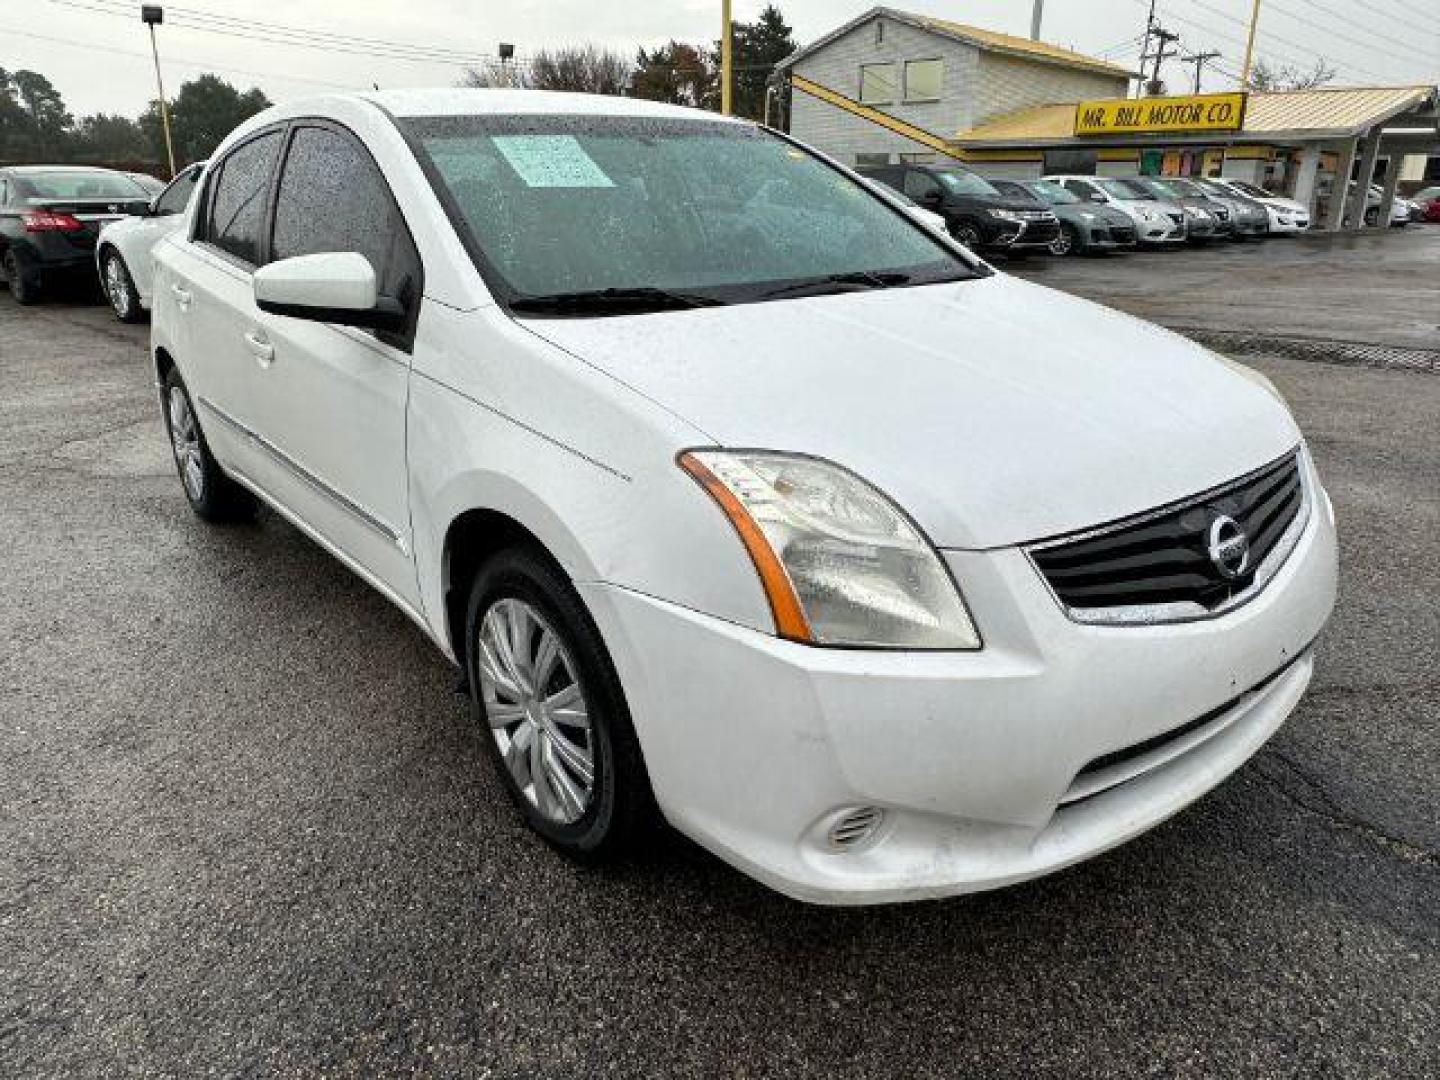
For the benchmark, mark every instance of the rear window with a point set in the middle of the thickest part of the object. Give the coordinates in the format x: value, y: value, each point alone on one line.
x: 43, y: 187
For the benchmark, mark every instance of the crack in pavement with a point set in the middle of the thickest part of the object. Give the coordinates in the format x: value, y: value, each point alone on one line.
x: 1331, y: 810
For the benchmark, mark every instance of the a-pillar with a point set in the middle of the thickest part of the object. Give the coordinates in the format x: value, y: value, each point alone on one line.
x: 1370, y: 151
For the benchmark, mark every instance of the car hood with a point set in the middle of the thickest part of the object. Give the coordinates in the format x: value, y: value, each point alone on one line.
x: 995, y: 411
x: 1286, y: 204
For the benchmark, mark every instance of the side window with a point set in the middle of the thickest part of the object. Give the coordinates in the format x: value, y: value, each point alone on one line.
x: 175, y: 197
x: 237, y: 206
x: 918, y: 184
x: 332, y: 197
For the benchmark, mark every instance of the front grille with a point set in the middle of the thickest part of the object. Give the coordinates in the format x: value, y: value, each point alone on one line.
x: 1122, y: 234
x: 1164, y: 557
x: 1037, y: 215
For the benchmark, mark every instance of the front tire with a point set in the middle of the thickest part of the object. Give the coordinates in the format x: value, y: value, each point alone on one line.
x: 1066, y: 242
x: 967, y: 234
x: 120, y: 288
x: 551, y: 709
x: 212, y: 495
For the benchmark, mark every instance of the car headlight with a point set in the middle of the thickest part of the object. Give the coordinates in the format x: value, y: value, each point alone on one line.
x: 1196, y: 212
x: 1005, y: 215
x: 839, y: 562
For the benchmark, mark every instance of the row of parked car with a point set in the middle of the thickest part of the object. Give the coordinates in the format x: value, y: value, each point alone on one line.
x: 60, y: 220
x: 1069, y: 214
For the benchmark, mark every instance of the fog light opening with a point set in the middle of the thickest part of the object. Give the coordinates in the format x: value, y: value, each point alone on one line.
x: 855, y: 827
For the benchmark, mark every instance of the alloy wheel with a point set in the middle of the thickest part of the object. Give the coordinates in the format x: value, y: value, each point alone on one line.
x: 117, y: 286
x: 536, y: 710
x: 185, y: 440
x: 1062, y: 243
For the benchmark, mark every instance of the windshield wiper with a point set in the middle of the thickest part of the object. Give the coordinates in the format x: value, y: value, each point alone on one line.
x: 861, y: 279
x: 612, y: 301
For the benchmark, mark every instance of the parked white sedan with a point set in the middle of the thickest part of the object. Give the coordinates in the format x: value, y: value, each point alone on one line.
x: 736, y: 492
x: 1286, y: 215
x: 123, y: 248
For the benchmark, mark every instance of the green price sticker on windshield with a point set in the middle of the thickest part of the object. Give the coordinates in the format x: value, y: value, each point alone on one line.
x: 551, y: 161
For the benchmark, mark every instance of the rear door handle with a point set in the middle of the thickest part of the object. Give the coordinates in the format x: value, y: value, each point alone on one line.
x: 262, y: 350
x: 182, y: 296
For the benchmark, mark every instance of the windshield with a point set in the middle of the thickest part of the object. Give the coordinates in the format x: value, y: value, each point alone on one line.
x: 1251, y: 189
x: 963, y: 182
x: 1052, y: 192
x: 1210, y: 187
x: 566, y: 205
x: 1124, y: 189
x: 79, y: 185
x: 1185, y: 189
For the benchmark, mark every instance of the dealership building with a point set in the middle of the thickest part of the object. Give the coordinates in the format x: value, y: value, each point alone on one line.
x: 890, y: 86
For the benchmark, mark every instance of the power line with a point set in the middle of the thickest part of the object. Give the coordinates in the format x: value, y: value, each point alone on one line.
x: 1268, y: 50
x: 203, y: 65
x: 1391, y: 16
x: 1385, y: 50
x: 283, y: 35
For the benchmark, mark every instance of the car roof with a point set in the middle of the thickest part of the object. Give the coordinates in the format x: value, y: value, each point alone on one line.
x: 468, y: 101
x: 36, y: 170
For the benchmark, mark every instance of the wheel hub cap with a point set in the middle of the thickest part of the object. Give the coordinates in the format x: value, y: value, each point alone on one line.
x: 185, y: 441
x: 536, y: 710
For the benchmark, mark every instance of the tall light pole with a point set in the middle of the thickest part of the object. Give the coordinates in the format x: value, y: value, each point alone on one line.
x: 726, y: 59
x: 152, y: 15
x: 1035, y: 15
x: 1249, y: 46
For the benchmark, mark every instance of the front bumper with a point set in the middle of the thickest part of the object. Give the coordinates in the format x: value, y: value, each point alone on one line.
x: 755, y: 745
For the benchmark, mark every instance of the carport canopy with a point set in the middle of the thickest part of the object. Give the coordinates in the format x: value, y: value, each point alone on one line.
x: 1369, y: 121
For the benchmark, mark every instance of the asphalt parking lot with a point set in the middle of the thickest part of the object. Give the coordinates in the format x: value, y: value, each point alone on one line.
x: 246, y: 829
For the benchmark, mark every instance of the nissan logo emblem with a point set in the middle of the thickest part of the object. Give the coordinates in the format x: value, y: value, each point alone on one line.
x: 1228, y: 547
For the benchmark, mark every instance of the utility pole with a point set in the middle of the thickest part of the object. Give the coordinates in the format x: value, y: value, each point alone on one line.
x: 1035, y: 13
x: 1162, y: 38
x: 1249, y: 46
x: 152, y: 15
x: 1145, y: 50
x: 1200, y: 60
x: 726, y: 59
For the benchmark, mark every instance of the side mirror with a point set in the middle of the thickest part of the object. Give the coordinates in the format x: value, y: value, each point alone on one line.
x: 333, y: 287
x: 931, y: 198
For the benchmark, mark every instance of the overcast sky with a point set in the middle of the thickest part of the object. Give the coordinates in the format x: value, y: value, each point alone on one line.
x: 97, y: 53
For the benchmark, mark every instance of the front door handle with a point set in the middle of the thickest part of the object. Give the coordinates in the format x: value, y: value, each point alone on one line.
x: 261, y: 349
x: 182, y: 296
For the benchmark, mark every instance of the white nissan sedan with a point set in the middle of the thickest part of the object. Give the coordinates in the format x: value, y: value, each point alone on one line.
x: 740, y: 496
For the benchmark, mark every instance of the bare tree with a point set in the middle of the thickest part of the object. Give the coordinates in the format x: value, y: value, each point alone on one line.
x: 1267, y: 76
x: 584, y: 69
x: 497, y: 73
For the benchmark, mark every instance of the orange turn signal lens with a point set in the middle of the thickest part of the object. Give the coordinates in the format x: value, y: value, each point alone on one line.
x: 790, y: 621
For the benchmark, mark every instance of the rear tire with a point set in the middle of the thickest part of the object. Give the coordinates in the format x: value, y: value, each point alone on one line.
x: 24, y: 280
x: 119, y: 288
x: 549, y: 706
x: 212, y: 495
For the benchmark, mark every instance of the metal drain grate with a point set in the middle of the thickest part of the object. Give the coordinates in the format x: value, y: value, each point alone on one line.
x: 1351, y: 353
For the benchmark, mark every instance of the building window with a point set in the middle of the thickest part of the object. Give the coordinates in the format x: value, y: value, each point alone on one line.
x: 922, y: 80
x: 878, y: 83
x: 918, y: 159
x: 872, y: 159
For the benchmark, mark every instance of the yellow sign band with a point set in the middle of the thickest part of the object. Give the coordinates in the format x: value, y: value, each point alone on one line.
x: 1198, y: 112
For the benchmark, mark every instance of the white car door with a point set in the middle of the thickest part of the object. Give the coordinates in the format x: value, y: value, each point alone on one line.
x: 140, y: 235
x: 210, y: 299
x: 329, y: 403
